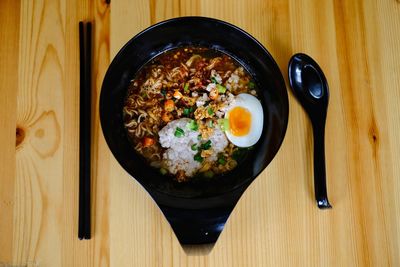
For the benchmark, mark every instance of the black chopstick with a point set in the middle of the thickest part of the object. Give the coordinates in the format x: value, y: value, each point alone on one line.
x: 85, y: 57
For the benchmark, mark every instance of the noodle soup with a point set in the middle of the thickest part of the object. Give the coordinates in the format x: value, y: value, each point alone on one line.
x: 192, y: 111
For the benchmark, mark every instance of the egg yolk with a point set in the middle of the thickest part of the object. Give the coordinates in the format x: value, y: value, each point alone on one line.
x: 239, y: 121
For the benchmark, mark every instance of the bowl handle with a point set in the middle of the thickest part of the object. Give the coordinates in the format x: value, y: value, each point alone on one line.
x: 197, y: 226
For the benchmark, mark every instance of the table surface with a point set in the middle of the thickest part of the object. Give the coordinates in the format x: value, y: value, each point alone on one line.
x: 276, y: 222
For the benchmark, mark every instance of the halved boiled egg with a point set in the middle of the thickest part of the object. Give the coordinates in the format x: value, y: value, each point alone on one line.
x: 245, y: 118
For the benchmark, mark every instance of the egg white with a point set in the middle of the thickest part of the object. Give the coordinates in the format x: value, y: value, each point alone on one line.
x: 253, y: 105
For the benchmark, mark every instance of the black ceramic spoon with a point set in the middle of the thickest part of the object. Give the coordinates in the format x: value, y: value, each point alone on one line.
x: 309, y: 85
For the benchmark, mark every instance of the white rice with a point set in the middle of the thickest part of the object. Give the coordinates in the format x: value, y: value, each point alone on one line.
x: 216, y: 76
x: 211, y: 86
x: 202, y: 100
x: 179, y: 154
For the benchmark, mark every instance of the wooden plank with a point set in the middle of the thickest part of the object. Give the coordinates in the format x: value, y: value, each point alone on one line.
x: 360, y: 73
x: 9, y: 37
x: 73, y: 251
x: 41, y: 109
x: 40, y: 112
x: 101, y: 153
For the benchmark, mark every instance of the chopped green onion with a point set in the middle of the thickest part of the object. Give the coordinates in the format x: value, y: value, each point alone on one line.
x: 223, y: 124
x: 208, y: 174
x: 251, y: 85
x: 186, y: 112
x: 206, y: 145
x: 163, y: 92
x: 198, y: 158
x: 194, y: 147
x: 221, y: 89
x: 179, y: 132
x: 210, y: 111
x: 222, y: 160
x: 214, y: 80
x: 192, y: 125
x: 186, y: 88
x: 163, y: 171
x: 199, y: 137
x: 210, y: 123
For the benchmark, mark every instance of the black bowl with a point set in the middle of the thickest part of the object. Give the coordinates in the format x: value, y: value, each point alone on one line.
x: 196, y: 211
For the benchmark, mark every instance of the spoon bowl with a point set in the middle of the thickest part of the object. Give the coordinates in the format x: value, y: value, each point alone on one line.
x: 308, y: 83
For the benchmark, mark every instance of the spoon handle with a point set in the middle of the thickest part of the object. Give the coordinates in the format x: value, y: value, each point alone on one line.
x: 321, y: 194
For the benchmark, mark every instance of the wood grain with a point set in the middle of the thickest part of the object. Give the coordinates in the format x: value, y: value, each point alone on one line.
x: 276, y: 222
x: 9, y: 39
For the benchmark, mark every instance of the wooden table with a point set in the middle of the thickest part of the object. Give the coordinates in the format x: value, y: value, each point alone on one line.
x: 276, y: 222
